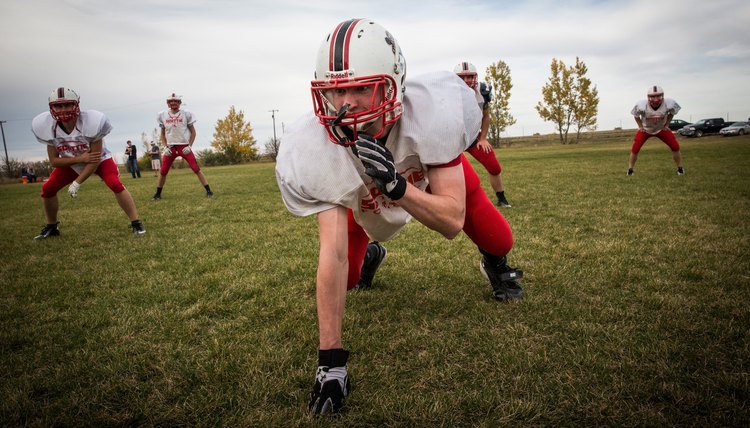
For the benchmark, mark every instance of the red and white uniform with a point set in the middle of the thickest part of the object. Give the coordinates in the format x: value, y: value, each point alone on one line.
x: 487, y: 159
x: 91, y: 126
x: 175, y: 126
x: 441, y: 119
x: 655, y: 120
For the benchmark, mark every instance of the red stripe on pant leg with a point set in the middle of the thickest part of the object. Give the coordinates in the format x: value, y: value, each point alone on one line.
x: 358, y: 241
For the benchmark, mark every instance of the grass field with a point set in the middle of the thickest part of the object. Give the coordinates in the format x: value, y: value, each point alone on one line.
x: 636, y: 311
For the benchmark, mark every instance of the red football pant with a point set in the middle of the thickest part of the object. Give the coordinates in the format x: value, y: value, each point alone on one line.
x: 487, y: 159
x: 664, y: 135
x: 172, y: 154
x: 62, y: 176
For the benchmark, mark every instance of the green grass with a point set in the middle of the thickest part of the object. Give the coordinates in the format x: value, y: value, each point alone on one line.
x: 636, y: 311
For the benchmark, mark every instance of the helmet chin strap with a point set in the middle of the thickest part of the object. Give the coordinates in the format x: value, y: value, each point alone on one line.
x: 340, y: 114
x: 343, y: 134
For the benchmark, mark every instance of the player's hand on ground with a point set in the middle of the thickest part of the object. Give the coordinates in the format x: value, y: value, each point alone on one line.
x: 330, y: 390
x: 379, y: 165
x: 73, y: 189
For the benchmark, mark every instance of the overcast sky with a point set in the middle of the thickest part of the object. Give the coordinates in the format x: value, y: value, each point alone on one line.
x: 125, y: 57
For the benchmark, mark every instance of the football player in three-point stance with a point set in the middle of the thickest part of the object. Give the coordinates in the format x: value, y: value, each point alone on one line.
x: 76, y: 150
x: 362, y: 162
x: 653, y: 116
x: 481, y: 149
x: 177, y: 135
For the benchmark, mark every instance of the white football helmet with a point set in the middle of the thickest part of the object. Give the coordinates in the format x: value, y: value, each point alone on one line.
x: 64, y: 96
x: 358, y: 53
x: 468, y: 72
x: 172, y: 98
x: 655, y: 96
x: 655, y: 90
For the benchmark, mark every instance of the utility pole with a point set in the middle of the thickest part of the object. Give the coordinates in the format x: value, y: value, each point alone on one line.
x: 7, y: 161
x: 273, y: 117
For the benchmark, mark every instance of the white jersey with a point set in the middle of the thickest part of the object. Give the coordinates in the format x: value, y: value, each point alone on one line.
x: 175, y: 126
x: 91, y: 126
x: 441, y: 119
x: 655, y: 120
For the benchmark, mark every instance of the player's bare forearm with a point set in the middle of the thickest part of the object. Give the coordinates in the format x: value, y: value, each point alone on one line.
x: 444, y: 208
x: 333, y: 267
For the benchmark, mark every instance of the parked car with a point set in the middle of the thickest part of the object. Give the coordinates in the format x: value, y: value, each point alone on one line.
x: 704, y: 127
x: 676, y: 124
x: 737, y: 128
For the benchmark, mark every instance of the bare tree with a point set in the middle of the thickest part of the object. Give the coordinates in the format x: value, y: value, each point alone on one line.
x: 272, y: 148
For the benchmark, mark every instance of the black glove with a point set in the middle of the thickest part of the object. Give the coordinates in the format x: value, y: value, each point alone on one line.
x: 378, y: 163
x: 331, y: 382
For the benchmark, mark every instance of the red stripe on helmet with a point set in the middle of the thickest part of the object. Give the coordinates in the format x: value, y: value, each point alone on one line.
x: 60, y: 92
x: 338, y: 50
x: 349, y: 33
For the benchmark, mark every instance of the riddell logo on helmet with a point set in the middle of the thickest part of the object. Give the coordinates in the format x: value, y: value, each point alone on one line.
x: 339, y: 74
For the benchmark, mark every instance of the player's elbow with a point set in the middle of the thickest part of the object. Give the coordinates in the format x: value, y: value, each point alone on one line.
x: 453, y: 227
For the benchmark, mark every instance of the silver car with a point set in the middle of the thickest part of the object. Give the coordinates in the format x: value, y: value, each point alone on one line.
x: 737, y: 128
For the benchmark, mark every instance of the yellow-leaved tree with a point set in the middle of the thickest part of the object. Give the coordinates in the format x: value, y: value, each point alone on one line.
x: 498, y: 79
x: 569, y: 99
x: 233, y: 138
x: 587, y: 100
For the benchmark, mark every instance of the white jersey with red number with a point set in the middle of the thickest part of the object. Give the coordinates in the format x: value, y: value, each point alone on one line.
x: 441, y: 119
x: 175, y: 126
x: 655, y: 120
x: 91, y: 126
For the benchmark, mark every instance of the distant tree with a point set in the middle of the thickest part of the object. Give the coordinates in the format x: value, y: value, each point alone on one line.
x: 586, y: 106
x: 272, y: 148
x: 145, y: 156
x: 233, y: 138
x: 569, y: 99
x: 556, y: 95
x: 498, y: 77
x: 156, y: 137
x: 209, y: 157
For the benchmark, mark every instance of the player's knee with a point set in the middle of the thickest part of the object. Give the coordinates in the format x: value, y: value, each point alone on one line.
x: 117, y: 188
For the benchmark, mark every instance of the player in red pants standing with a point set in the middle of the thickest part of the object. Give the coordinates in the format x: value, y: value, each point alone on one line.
x: 76, y: 150
x: 653, y: 116
x: 481, y: 149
